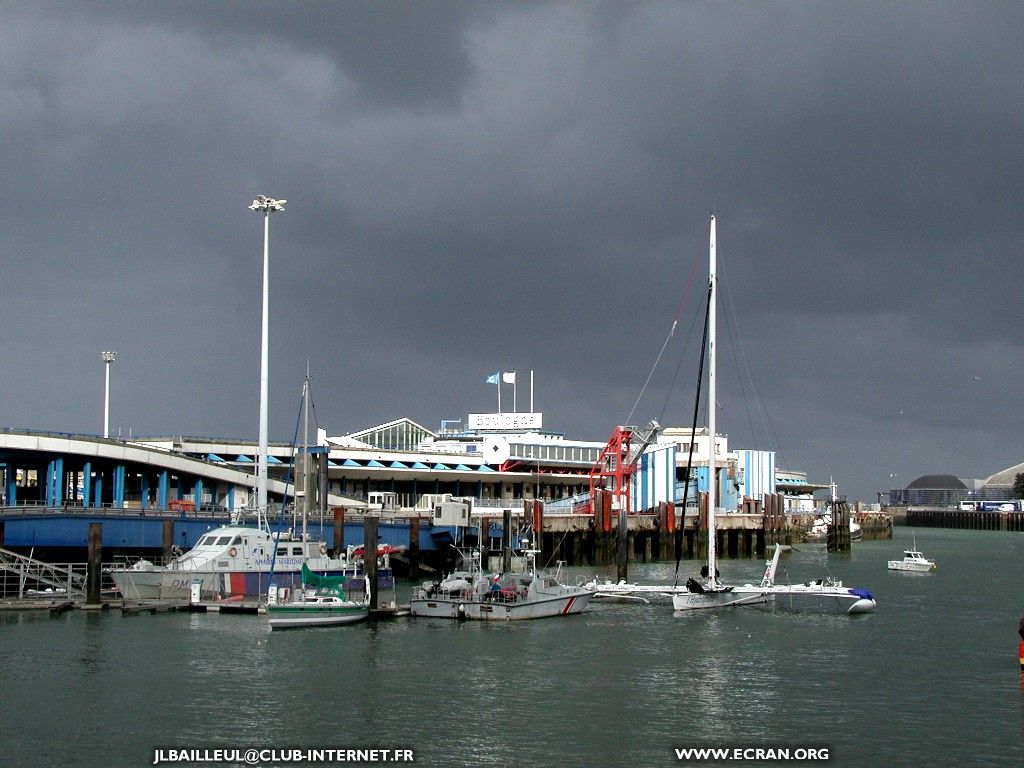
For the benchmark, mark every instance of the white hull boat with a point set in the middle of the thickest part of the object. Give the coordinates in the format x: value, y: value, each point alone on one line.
x: 234, y: 562
x: 826, y: 596
x: 321, y: 611
x: 720, y: 597
x: 913, y: 561
x: 625, y: 591
x: 527, y: 595
x: 323, y: 601
x: 447, y: 599
x: 822, y: 596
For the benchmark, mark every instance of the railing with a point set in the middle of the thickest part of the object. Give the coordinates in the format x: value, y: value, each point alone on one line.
x: 206, y: 512
x: 24, y: 576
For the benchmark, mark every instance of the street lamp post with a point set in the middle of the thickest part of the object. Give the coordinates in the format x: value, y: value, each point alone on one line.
x: 107, y: 357
x: 266, y: 206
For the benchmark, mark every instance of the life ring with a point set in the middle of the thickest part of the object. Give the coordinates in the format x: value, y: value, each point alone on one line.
x: 232, y: 551
x: 323, y: 549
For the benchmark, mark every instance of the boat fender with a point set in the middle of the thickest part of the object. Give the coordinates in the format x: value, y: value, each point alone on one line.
x: 232, y: 551
x: 323, y: 549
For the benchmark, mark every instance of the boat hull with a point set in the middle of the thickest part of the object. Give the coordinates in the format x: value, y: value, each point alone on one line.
x: 822, y: 599
x: 296, y: 616
x: 164, y: 584
x: 900, y: 565
x: 736, y: 597
x: 438, y: 608
x: 539, y: 608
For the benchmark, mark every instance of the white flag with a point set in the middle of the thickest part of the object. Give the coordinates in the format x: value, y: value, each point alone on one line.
x: 509, y: 378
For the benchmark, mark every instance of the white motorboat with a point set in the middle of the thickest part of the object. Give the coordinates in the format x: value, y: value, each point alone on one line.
x: 527, y: 595
x: 322, y: 601
x: 710, y: 593
x: 913, y: 560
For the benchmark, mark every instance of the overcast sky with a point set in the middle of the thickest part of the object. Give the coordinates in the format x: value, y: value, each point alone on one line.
x: 481, y: 187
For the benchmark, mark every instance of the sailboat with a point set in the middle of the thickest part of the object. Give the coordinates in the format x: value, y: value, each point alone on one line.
x: 322, y: 601
x: 709, y: 592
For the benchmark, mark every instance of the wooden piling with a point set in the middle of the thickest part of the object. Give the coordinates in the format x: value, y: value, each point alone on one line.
x: 95, y: 558
x: 839, y: 528
x: 414, y: 546
x: 370, y: 555
x: 339, y: 531
x: 506, y: 541
x: 167, y: 538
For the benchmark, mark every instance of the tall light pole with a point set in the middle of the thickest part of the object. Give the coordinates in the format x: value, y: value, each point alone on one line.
x: 267, y: 206
x: 107, y: 357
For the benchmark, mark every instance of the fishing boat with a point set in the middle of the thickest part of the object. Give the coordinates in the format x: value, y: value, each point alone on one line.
x: 914, y: 561
x: 527, y: 595
x: 709, y: 592
x: 322, y: 601
x: 448, y: 597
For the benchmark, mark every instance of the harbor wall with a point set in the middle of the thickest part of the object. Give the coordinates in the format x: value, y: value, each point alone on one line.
x: 944, y: 517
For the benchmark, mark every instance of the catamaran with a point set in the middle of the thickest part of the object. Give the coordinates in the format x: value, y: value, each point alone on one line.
x: 709, y: 592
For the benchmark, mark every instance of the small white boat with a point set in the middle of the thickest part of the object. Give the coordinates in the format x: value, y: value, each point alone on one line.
x: 527, y: 595
x: 914, y: 561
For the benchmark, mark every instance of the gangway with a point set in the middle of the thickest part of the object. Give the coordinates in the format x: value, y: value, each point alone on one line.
x: 70, y: 578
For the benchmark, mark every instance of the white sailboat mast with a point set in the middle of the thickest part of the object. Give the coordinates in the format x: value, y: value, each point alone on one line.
x: 305, y: 452
x: 261, y: 477
x: 712, y: 459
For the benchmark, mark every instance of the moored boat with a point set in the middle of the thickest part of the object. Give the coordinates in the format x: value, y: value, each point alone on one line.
x: 321, y: 601
x: 447, y: 598
x: 527, y: 595
x: 234, y: 561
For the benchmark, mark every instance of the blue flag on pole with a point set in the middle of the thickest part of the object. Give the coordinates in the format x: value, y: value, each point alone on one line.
x: 492, y: 379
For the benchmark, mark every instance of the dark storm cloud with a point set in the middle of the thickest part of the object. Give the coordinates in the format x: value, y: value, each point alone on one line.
x: 479, y: 187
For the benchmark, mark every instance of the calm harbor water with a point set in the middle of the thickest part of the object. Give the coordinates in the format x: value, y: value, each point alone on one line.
x: 931, y: 678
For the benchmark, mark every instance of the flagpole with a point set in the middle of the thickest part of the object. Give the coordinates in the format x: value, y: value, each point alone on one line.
x: 531, y: 390
x: 499, y: 393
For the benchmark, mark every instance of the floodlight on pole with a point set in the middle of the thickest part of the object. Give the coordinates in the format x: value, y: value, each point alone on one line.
x: 266, y: 206
x: 107, y: 357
